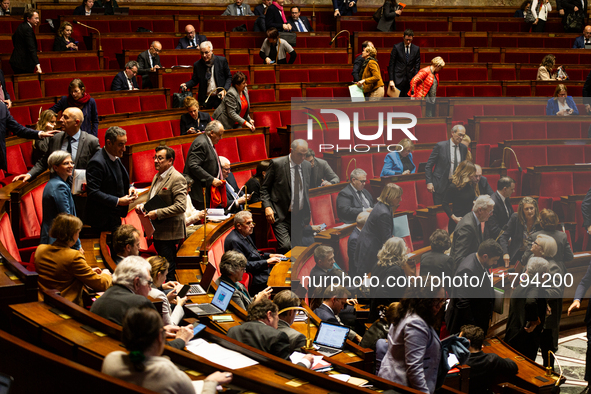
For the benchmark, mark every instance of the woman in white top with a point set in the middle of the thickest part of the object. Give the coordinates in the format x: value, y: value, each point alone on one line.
x: 540, y: 9
x: 158, y: 273
x: 143, y: 336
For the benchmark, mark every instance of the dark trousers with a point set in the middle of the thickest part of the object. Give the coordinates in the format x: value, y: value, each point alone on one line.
x: 539, y: 27
x: 168, y: 249
x: 18, y: 70
x: 213, y: 102
x: 282, y: 232
x: 404, y: 88
x: 438, y: 198
x: 547, y: 343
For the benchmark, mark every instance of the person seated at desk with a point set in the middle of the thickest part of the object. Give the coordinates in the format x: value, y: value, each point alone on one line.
x: 354, y: 199
x: 335, y: 299
x: 546, y: 70
x: 238, y: 9
x: 62, y: 268
x: 191, y: 40
x: 192, y: 216
x: 484, y: 367
x: 143, y: 336
x: 126, y: 242
x: 322, y: 174
x: 126, y: 79
x: 85, y: 8
x: 193, y: 122
x: 159, y: 272
x: 275, y: 50
x: 5, y: 8
x: 286, y: 299
x: 63, y: 40
x: 435, y: 262
x: 253, y: 185
x: 561, y: 104
x: 260, y: 332
x: 234, y: 195
x: 482, y: 185
x: 240, y: 240
x: 400, y: 163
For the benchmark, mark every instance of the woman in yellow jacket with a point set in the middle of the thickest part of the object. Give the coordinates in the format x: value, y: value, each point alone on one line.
x: 371, y: 82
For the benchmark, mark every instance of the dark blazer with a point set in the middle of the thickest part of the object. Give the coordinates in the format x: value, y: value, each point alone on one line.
x: 170, y: 224
x: 91, y: 121
x: 253, y: 187
x: 57, y: 198
x: 276, y: 188
x: 466, y: 240
x: 116, y: 301
x: 357, y: 63
x: 273, y: 18
x: 484, y: 367
x: 263, y: 337
x: 585, y: 208
x: 484, y: 186
x: 343, y: 7
x: 564, y: 253
x: 104, y: 190
x: 436, y: 263
x: 7, y: 123
x: 378, y: 228
x: 3, y: 82
x: 582, y: 288
x: 352, y: 245
x: 440, y: 158
x: 515, y: 233
x: 80, y: 10
x: 499, y: 218
x: 470, y: 305
x: 325, y: 314
x: 388, y: 20
x: 462, y: 200
x: 259, y: 24
x: 88, y: 145
x: 143, y: 60
x: 187, y: 122
x: 222, y: 76
x: 184, y: 42
x: 296, y: 338
x: 579, y: 43
x: 304, y: 21
x: 552, y: 107
x: 60, y: 44
x: 120, y: 82
x: 349, y: 205
x: 201, y: 164
x: 259, y: 10
x: 228, y: 112
x: 320, y: 171
x: 24, y: 54
x: 399, y: 70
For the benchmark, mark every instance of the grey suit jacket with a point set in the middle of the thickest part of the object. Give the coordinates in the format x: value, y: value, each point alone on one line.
x: 296, y: 338
x: 228, y: 112
x: 467, y: 239
x: 170, y: 224
x: 87, y: 147
x: 441, y: 160
x: 144, y: 61
x: 320, y: 171
x: 232, y: 10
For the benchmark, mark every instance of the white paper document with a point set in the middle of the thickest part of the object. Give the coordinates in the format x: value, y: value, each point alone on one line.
x: 219, y: 355
x: 356, y: 93
x: 78, y: 181
x: 216, y: 215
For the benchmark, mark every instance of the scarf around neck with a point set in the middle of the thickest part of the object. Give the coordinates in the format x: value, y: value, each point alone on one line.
x: 78, y: 103
x: 281, y: 9
x: 364, y: 65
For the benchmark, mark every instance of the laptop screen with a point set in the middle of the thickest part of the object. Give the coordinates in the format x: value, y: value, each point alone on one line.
x: 331, y: 335
x: 207, y: 277
x: 222, y: 296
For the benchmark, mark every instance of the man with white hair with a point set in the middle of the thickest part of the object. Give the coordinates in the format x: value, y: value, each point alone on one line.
x: 354, y: 199
x: 212, y: 74
x: 468, y: 233
x: 234, y: 196
x: 131, y: 284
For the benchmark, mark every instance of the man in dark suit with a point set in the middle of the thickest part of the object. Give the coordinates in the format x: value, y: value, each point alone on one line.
x: 238, y: 9
x: 405, y: 63
x: 298, y: 22
x: 352, y: 241
x: 358, y: 62
x: 109, y: 191
x: 354, y: 199
x: 170, y: 188
x: 210, y: 84
x: 482, y: 182
x: 445, y: 157
x: 582, y: 288
x: 240, y: 240
x: 126, y: 79
x: 435, y: 262
x: 344, y: 7
x: 583, y: 40
x: 191, y: 39
x: 149, y: 61
x: 322, y: 174
x: 24, y: 58
x: 274, y: 18
x: 203, y: 164
x: 234, y: 196
x: 468, y: 233
x: 284, y: 193
x: 260, y: 9
x: 260, y: 332
x: 131, y: 285
x: 126, y: 242
x: 81, y: 145
x: 474, y: 304
x: 7, y: 123
x: 287, y: 299
x: 4, y: 96
x: 503, y: 208
x: 335, y: 300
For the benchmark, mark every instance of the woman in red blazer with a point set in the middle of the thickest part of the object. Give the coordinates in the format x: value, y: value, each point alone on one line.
x: 424, y: 84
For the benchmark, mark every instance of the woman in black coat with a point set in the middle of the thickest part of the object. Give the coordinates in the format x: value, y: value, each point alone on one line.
x: 253, y: 185
x: 520, y: 229
x: 193, y: 122
x: 63, y: 41
x: 389, y: 12
x: 460, y: 193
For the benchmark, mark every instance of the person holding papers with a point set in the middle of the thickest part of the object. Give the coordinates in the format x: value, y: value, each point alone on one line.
x: 234, y: 195
x: 143, y: 336
x: 166, y: 206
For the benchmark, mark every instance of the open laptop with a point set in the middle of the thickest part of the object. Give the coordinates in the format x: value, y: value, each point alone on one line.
x: 203, y: 285
x: 218, y: 305
x: 330, y: 339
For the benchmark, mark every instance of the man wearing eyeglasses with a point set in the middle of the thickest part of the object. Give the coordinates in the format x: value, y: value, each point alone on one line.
x: 168, y: 196
x: 192, y: 40
x: 149, y: 61
x: 354, y: 199
x: 240, y: 240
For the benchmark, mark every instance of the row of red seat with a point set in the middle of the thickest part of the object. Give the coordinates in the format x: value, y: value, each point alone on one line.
x: 492, y: 133
x: 61, y: 64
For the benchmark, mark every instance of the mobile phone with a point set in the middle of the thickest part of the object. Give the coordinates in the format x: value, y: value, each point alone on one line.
x: 184, y: 291
x: 197, y: 329
x: 284, y: 258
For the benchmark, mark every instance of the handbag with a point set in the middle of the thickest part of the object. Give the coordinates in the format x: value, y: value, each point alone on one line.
x: 574, y: 22
x: 288, y: 36
x: 378, y: 14
x: 179, y: 98
x: 529, y: 17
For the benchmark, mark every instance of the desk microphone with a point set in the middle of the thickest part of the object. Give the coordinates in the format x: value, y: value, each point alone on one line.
x: 93, y: 28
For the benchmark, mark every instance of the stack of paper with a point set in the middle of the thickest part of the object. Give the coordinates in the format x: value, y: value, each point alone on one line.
x: 219, y: 355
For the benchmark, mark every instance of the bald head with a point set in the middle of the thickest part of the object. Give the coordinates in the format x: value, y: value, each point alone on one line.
x: 72, y: 118
x: 299, y: 149
x: 155, y: 47
x: 190, y: 32
x: 587, y: 32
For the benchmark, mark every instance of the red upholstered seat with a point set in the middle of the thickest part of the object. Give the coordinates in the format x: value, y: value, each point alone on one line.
x: 153, y: 103
x: 58, y: 87
x: 565, y: 154
x: 105, y: 106
x: 343, y: 257
x: 272, y: 119
x: 21, y: 115
x: 264, y: 76
x: 179, y: 160
x: 251, y: 147
x: 240, y: 59
x: 529, y: 130
x: 127, y: 104
x: 29, y: 90
x: 133, y: 219
x: 430, y: 133
x: 176, y: 127
x: 7, y: 237
x: 363, y: 161
x: 93, y: 84
x: 378, y: 162
x: 143, y: 168
x: 424, y: 198
x: 409, y: 200
x: 63, y: 64
x: 503, y: 74
x: 288, y: 94
x: 228, y: 148
x: 333, y: 200
x: 16, y: 162
x: 518, y: 91
x: 305, y: 271
x: 294, y: 75
x: 494, y: 132
x: 30, y: 220
x: 559, y: 130
x: 528, y: 156
x: 581, y: 182
x: 319, y: 92
x: 529, y: 110
x: 37, y: 195
x: 482, y: 155
x: 341, y: 91
x: 242, y: 177
x: 27, y: 152
x: 135, y: 133
x: 498, y: 110
x: 173, y: 81
x: 321, y: 210
x: 261, y: 95
x: 159, y: 130
x: 168, y: 61
x: 464, y: 112
x: 323, y: 75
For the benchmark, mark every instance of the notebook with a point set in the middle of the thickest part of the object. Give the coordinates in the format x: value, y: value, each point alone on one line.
x: 218, y: 305
x: 330, y: 339
x: 203, y: 285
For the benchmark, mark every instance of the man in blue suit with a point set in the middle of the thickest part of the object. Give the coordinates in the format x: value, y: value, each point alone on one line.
x: 191, y: 39
x: 126, y: 79
x: 344, y: 7
x: 584, y: 39
x: 335, y: 300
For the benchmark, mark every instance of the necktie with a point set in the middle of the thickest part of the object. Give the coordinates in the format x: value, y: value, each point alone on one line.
x: 151, y: 62
x: 297, y: 189
x: 69, y: 147
x: 194, y: 43
x: 363, y: 202
x: 300, y: 27
x: 239, y: 11
x: 407, y: 53
x: 457, y: 158
x: 507, y: 205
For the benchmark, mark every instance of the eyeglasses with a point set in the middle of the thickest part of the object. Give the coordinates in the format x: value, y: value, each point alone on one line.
x: 251, y: 223
x: 159, y: 158
x: 361, y: 181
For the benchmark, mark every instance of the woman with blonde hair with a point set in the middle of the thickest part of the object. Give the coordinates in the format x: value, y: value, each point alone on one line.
x: 63, y: 41
x: 467, y: 141
x: 561, y: 104
x: 46, y: 122
x: 520, y: 229
x: 400, y: 162
x: 461, y: 192
x: 546, y: 70
x: 424, y: 84
x: 158, y: 273
x: 193, y: 122
x: 371, y: 77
